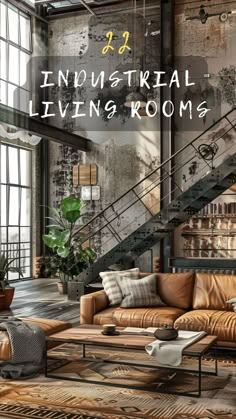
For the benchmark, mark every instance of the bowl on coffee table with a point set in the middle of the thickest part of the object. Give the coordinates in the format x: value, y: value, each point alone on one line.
x: 166, y: 333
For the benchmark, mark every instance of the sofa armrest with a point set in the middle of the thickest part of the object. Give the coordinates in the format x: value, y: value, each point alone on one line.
x: 91, y: 304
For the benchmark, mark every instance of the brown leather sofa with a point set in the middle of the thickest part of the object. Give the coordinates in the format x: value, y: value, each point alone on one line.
x: 49, y: 327
x: 194, y: 301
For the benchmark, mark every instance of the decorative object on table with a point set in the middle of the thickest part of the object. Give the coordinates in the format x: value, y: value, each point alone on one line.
x: 110, y: 282
x: 166, y: 333
x: 69, y: 257
x: 109, y: 329
x: 140, y: 292
x: 5, y: 289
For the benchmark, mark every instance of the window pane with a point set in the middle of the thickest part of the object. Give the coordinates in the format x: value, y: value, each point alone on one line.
x: 26, y: 272
x: 25, y: 207
x: 13, y: 65
x: 3, y: 21
x: 25, y: 33
x: 3, y: 92
x: 24, y: 100
x: 3, y: 60
x: 13, y: 275
x: 14, y: 205
x: 24, y: 70
x: 13, y: 165
x: 25, y: 235
x: 25, y: 166
x: 3, y: 164
x: 13, y: 24
x: 3, y: 205
x: 3, y: 233
x: 13, y: 96
x: 13, y: 239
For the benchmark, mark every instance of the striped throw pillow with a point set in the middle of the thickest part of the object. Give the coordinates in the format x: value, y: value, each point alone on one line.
x: 111, y: 280
x: 140, y: 293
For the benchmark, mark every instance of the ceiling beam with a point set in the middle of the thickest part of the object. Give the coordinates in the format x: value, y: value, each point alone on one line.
x: 34, y: 126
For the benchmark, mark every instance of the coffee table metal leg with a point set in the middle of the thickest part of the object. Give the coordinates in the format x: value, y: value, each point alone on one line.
x: 216, y: 361
x: 46, y: 360
x: 83, y: 350
x: 199, y: 376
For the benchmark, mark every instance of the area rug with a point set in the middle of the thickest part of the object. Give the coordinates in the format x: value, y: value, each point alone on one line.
x: 60, y: 399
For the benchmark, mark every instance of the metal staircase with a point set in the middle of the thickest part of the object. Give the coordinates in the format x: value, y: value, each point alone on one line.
x: 200, y: 172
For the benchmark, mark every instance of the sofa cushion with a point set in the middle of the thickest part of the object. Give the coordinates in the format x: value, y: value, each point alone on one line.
x: 110, y: 282
x: 49, y: 327
x: 217, y: 323
x: 211, y: 291
x: 139, y: 292
x: 139, y: 317
x: 176, y: 289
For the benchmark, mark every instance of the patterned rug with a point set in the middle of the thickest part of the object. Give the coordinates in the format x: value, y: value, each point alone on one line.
x: 60, y: 399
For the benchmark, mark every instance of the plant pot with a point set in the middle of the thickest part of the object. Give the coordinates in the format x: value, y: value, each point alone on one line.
x: 62, y: 287
x: 2, y: 302
x: 75, y: 290
x: 8, y: 294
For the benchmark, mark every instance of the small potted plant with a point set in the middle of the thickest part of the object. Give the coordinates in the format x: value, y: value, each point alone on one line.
x: 68, y: 257
x: 5, y: 289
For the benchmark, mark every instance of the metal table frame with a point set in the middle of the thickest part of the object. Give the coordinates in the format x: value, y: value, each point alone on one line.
x: 199, y: 371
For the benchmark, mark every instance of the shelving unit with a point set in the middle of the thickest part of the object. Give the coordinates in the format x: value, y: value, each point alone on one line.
x: 211, y: 234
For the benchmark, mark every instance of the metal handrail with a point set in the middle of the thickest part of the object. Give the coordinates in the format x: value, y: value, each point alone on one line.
x: 139, y: 199
x: 172, y: 157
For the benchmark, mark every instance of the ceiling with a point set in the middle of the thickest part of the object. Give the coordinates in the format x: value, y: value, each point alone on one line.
x: 56, y: 7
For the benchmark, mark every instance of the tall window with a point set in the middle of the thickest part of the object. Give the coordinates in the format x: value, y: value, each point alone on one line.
x: 15, y: 54
x: 15, y: 214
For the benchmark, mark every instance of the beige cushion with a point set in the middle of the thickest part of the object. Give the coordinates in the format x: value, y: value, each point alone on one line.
x: 110, y: 282
x: 140, y: 292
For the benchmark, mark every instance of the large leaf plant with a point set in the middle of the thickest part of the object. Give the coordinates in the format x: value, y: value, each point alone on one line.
x: 68, y: 256
x: 5, y: 267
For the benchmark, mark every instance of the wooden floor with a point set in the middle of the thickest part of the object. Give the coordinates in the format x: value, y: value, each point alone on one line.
x: 40, y: 298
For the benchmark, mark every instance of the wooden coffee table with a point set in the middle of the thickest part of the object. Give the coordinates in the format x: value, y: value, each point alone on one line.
x: 89, y: 335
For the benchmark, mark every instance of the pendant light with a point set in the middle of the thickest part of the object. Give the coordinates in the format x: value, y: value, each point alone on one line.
x: 135, y: 95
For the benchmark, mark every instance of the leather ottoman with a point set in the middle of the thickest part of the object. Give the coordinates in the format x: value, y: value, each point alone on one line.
x: 49, y: 327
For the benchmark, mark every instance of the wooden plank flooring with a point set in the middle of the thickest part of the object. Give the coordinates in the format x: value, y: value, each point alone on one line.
x: 40, y: 298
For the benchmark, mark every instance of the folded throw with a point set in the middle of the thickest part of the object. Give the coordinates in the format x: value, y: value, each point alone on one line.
x: 27, y: 348
x: 170, y: 352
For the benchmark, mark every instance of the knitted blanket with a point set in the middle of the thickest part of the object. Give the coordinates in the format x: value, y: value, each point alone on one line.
x: 27, y: 348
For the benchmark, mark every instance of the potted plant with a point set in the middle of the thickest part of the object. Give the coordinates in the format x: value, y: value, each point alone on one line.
x: 5, y: 289
x: 68, y: 257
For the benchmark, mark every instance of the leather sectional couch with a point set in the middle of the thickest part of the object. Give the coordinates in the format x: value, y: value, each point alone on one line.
x: 194, y: 301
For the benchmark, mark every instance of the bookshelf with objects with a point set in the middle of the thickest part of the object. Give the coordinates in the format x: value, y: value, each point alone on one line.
x: 212, y: 232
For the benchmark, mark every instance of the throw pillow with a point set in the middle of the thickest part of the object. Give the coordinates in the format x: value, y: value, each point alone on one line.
x: 140, y: 293
x: 233, y: 302
x: 110, y: 282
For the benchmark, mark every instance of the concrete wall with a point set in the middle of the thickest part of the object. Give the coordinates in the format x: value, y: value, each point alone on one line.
x: 124, y: 151
x: 215, y: 42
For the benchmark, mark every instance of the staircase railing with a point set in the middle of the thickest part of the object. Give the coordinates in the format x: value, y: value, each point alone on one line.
x: 137, y: 205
